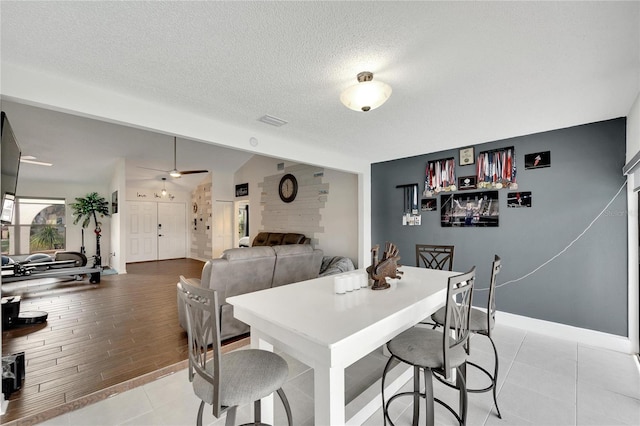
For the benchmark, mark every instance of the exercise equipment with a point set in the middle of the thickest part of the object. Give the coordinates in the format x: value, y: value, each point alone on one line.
x: 41, y: 265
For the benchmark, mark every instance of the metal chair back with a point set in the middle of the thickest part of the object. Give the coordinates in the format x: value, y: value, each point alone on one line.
x: 202, y: 311
x: 434, y: 256
x: 458, y: 308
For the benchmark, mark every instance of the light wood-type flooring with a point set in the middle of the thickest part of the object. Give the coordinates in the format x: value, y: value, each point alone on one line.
x: 98, y: 340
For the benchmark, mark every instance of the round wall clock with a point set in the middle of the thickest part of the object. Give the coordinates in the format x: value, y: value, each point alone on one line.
x: 288, y: 188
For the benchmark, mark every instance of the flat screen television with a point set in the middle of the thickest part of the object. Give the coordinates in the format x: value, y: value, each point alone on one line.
x: 10, y: 164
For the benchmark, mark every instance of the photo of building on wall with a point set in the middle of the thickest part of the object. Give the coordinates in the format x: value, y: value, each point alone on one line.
x: 477, y: 209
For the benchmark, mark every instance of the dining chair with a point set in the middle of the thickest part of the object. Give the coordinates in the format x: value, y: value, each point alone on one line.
x: 434, y: 256
x: 482, y: 323
x: 229, y: 380
x: 436, y: 353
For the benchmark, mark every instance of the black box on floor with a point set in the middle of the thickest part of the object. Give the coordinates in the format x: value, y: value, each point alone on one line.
x: 12, y: 373
x: 10, y: 311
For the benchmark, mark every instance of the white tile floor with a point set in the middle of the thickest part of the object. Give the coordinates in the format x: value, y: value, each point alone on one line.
x: 543, y: 381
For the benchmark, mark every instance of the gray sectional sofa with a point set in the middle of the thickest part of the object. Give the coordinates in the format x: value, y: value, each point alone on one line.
x: 244, y: 270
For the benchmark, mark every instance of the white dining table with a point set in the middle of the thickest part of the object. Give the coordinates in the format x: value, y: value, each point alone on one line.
x: 329, y: 331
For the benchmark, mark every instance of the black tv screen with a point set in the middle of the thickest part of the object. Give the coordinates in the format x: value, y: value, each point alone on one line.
x: 10, y: 164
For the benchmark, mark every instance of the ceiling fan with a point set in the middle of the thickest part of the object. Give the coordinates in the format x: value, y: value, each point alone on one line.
x: 175, y: 172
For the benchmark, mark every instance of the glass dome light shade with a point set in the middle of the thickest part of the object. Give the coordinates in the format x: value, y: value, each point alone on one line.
x: 366, y: 95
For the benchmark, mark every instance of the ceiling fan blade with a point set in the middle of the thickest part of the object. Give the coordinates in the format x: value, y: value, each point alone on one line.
x: 150, y: 168
x: 191, y: 172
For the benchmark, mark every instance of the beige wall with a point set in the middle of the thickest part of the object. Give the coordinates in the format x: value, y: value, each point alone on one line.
x: 330, y: 219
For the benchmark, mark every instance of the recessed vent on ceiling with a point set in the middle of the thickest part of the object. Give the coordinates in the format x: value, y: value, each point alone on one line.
x: 274, y: 121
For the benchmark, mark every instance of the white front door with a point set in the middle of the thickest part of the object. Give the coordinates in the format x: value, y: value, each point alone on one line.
x: 172, y: 231
x: 223, y: 227
x: 142, y: 235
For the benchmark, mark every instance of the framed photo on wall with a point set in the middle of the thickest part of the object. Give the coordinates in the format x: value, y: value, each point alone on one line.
x: 428, y: 204
x: 469, y: 209
x: 467, y: 182
x: 466, y: 156
x: 519, y: 199
x: 537, y: 160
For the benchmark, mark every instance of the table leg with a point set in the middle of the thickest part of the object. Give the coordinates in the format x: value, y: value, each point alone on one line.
x: 266, y: 403
x: 329, y: 396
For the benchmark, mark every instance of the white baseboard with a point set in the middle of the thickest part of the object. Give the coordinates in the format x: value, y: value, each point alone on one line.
x: 566, y: 332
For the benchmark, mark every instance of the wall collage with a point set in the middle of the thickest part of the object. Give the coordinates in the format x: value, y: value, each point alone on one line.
x: 472, y: 200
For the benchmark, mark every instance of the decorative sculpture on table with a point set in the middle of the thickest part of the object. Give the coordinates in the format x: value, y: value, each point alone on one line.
x: 379, y: 271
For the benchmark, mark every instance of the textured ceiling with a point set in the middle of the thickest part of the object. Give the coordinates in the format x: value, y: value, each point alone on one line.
x: 462, y: 72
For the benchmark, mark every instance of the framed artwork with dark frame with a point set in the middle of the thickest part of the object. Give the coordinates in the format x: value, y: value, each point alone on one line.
x: 519, y: 199
x: 467, y: 182
x: 537, y: 160
x: 428, y: 204
x: 470, y: 209
x: 466, y: 156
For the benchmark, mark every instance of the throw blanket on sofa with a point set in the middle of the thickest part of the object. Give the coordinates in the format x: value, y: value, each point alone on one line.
x: 335, y: 265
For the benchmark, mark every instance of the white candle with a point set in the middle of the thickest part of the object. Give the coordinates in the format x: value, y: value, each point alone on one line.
x: 339, y: 285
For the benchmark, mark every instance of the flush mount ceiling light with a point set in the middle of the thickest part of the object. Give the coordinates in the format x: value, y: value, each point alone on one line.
x: 367, y: 94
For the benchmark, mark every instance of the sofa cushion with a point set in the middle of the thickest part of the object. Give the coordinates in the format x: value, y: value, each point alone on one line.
x: 295, y: 262
x: 293, y: 238
x: 236, y: 254
x: 278, y: 238
x: 260, y: 239
x: 274, y: 239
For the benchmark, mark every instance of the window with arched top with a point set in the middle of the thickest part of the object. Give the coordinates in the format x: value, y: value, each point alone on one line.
x: 39, y: 226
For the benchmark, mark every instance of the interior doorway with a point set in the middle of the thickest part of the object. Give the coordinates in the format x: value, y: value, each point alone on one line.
x: 242, y: 209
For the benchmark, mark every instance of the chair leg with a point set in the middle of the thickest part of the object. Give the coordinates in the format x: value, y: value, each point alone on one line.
x: 462, y: 386
x: 231, y: 417
x: 200, y: 410
x: 287, y: 408
x: 416, y: 395
x: 385, y: 413
x: 257, y: 412
x: 428, y: 396
x: 495, y: 377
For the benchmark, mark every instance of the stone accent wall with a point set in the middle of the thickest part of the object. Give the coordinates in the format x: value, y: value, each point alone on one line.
x: 304, y: 214
x: 201, y: 229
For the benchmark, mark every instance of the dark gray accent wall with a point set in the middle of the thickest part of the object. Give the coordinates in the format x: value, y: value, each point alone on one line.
x: 584, y: 287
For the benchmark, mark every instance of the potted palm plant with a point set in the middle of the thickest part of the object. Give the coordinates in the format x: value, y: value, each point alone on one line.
x: 85, y: 209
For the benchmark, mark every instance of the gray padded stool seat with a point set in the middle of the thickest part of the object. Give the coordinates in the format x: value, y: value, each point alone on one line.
x: 482, y: 323
x: 245, y: 376
x: 423, y: 347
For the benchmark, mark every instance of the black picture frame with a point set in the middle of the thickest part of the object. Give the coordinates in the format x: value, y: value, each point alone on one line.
x: 466, y: 183
x: 470, y: 209
x: 537, y: 160
x: 242, y: 190
x: 519, y: 199
x: 429, y: 204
